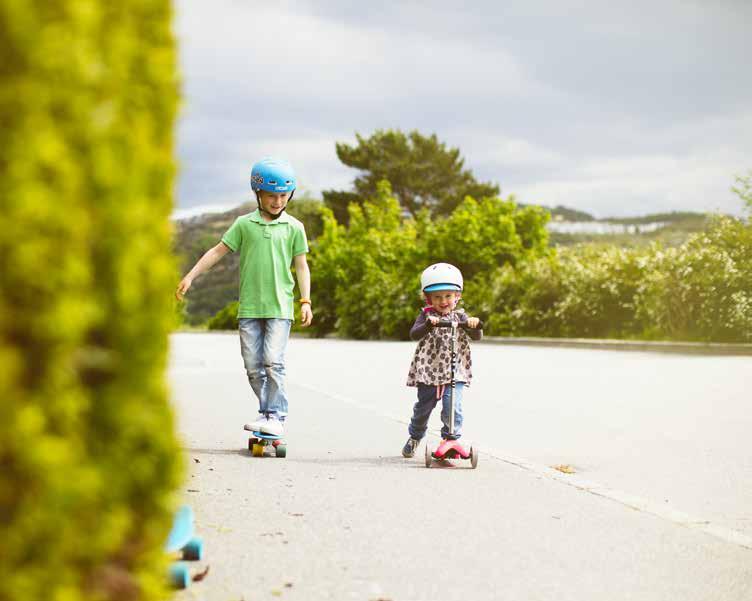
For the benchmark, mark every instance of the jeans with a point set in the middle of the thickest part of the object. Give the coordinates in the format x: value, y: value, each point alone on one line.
x: 262, y: 344
x: 427, y: 401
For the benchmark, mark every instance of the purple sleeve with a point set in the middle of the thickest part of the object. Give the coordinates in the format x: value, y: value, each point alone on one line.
x: 420, y: 327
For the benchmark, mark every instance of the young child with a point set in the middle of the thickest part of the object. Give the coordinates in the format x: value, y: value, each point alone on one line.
x: 430, y: 369
x: 269, y: 242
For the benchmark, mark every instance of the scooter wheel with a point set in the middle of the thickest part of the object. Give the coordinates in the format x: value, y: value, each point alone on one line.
x: 257, y: 450
x: 473, y: 457
x: 281, y: 450
x: 429, y: 455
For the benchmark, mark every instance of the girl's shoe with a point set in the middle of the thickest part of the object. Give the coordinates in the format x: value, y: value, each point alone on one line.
x: 409, y: 449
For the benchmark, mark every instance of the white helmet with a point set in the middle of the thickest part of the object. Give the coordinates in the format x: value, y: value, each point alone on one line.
x: 441, y: 276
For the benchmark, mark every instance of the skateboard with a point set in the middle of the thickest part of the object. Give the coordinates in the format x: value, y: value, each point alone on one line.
x: 182, y: 543
x: 452, y: 449
x: 259, y: 443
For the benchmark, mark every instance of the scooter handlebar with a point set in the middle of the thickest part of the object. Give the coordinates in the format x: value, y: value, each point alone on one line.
x: 445, y: 323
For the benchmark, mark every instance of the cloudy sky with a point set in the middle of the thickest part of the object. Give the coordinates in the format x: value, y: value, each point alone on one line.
x: 615, y: 108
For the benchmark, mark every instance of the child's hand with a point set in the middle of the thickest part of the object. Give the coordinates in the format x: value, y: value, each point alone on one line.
x: 433, y: 319
x: 183, y: 286
x: 473, y: 322
x: 306, y: 315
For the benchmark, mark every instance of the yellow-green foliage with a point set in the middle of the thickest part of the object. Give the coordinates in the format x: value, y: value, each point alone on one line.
x: 88, y: 453
x: 368, y: 274
x: 699, y: 291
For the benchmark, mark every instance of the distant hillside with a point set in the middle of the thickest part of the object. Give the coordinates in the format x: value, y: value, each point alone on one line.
x: 672, y: 229
x: 195, y: 235
x: 560, y: 213
x: 673, y: 217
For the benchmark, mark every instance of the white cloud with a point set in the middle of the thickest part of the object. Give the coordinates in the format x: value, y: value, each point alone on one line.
x: 612, y: 110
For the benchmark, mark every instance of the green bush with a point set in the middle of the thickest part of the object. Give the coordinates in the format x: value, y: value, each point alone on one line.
x: 599, y: 285
x: 698, y: 292
x: 703, y: 290
x: 225, y: 319
x: 367, y: 275
x: 87, y: 446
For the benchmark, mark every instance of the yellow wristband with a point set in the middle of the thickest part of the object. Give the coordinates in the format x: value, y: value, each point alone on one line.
x: 305, y: 301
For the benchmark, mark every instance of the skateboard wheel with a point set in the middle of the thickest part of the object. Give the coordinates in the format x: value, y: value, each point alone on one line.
x: 257, y: 450
x: 194, y: 550
x: 251, y: 442
x: 429, y: 453
x: 473, y: 457
x: 180, y: 576
x: 281, y: 450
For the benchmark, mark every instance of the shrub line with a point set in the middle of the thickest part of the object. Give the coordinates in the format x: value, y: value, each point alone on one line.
x: 698, y: 348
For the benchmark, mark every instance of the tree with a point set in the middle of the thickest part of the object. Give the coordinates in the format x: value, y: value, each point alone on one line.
x: 89, y: 456
x: 743, y: 190
x: 422, y: 171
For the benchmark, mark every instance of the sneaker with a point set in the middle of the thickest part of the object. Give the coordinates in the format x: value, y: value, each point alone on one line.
x: 272, y: 426
x: 409, y: 449
x: 258, y: 424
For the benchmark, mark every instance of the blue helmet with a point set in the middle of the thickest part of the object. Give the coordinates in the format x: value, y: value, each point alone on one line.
x: 272, y: 175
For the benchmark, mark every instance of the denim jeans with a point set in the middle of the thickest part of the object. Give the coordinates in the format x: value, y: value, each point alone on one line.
x: 427, y: 401
x: 262, y: 344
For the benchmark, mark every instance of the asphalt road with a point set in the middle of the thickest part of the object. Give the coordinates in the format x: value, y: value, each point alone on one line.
x: 659, y: 504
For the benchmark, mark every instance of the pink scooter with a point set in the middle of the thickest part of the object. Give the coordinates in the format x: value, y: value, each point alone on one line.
x: 452, y: 449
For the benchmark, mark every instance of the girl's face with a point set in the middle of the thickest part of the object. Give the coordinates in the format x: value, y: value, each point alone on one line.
x: 273, y: 202
x: 443, y: 301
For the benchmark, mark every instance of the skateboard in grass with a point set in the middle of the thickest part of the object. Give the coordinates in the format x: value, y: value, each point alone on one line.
x: 183, y: 545
x: 260, y: 443
x: 452, y: 449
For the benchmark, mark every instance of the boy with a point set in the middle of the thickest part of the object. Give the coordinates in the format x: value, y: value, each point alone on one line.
x: 269, y: 241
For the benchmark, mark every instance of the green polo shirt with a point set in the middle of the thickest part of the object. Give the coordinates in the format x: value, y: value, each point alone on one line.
x: 266, y: 249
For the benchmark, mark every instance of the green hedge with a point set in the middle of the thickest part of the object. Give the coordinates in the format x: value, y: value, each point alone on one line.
x: 700, y: 291
x: 366, y: 276
x: 87, y: 447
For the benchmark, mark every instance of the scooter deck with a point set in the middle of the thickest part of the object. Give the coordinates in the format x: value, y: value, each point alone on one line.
x: 451, y: 449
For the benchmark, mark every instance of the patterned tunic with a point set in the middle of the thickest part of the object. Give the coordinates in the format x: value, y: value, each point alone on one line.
x: 431, y: 362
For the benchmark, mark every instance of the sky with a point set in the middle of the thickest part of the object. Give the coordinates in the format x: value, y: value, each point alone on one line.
x: 614, y: 108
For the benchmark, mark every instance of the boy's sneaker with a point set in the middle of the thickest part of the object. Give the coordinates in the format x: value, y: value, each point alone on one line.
x: 258, y: 425
x: 409, y: 449
x: 272, y: 426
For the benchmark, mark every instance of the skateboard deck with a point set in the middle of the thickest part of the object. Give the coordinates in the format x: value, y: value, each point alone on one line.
x: 259, y: 442
x: 182, y: 542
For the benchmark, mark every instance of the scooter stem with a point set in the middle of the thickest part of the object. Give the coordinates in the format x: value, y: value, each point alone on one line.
x: 451, y: 382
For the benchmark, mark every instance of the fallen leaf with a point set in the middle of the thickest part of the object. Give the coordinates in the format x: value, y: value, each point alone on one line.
x: 201, y: 575
x: 564, y: 469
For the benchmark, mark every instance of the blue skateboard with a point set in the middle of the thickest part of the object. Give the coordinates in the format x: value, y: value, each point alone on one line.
x: 260, y: 441
x: 182, y: 543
